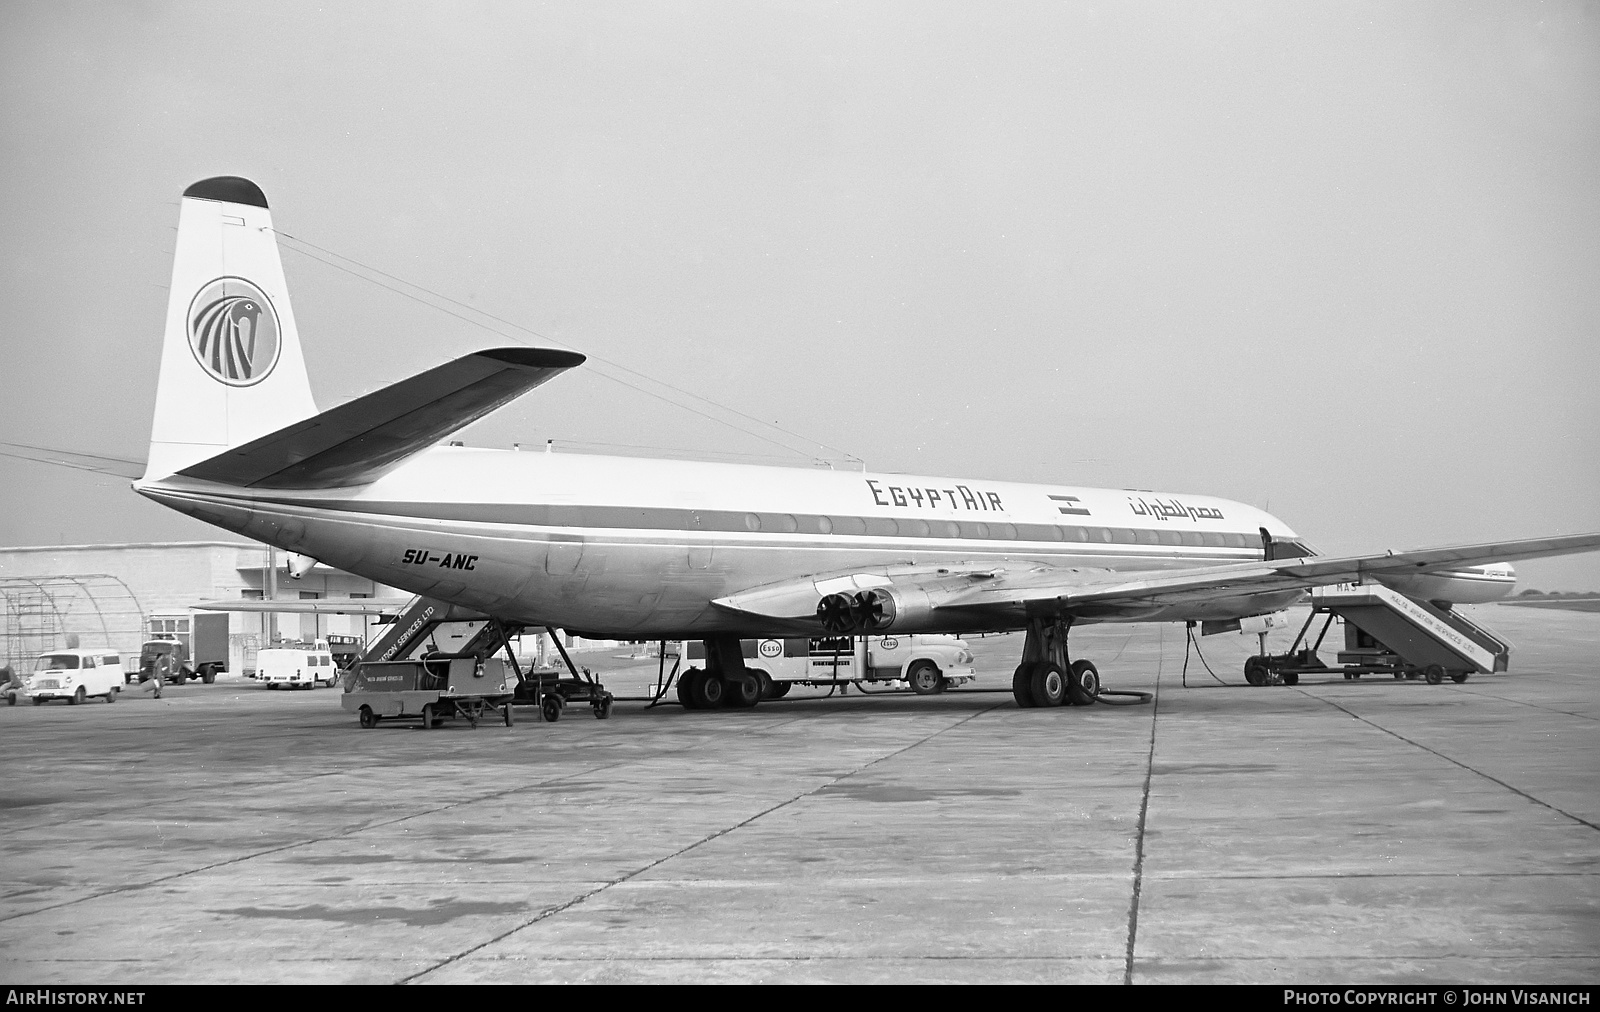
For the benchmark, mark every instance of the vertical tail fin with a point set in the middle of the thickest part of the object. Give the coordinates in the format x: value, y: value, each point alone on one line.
x: 231, y: 368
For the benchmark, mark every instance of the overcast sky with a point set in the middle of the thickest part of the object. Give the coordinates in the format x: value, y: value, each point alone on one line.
x: 1339, y: 260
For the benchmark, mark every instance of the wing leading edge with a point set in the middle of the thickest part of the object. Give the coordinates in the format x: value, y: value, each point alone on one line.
x: 969, y: 595
x: 1192, y: 586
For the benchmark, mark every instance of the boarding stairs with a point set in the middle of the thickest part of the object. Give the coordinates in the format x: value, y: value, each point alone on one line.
x: 453, y: 633
x: 1386, y: 632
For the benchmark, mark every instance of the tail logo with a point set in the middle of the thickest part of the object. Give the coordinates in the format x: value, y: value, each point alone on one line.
x: 233, y: 332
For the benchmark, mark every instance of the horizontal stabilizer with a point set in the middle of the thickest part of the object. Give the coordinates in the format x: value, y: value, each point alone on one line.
x: 355, y: 443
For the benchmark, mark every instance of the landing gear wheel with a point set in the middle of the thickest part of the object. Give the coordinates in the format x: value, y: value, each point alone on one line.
x: 602, y: 707
x: 79, y: 696
x: 1255, y: 670
x: 1433, y: 674
x: 925, y: 678
x: 550, y: 708
x: 1459, y: 676
x: 1083, y: 687
x: 741, y: 691
x: 1290, y: 677
x: 777, y: 690
x: 686, y: 687
x: 1048, y: 684
x: 367, y: 717
x: 1022, y: 685
x: 427, y: 717
x: 706, y: 692
x: 764, y: 681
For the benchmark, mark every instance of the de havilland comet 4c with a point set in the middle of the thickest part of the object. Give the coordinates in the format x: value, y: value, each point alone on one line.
x: 664, y: 549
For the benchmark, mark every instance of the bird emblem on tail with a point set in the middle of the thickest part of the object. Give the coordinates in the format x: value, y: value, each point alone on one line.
x: 233, y: 332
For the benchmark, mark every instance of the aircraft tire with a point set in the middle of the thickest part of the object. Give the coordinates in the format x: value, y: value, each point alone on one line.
x: 1048, y: 684
x: 686, y: 684
x: 706, y: 692
x: 1083, y: 684
x: 741, y: 692
x: 1022, y: 685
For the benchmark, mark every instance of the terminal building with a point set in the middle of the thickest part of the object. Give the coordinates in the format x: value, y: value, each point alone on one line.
x: 116, y: 596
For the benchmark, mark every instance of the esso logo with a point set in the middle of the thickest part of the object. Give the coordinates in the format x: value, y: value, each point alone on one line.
x: 770, y: 648
x: 890, y: 643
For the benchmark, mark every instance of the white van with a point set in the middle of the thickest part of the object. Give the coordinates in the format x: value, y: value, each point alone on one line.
x: 74, y: 675
x: 296, y: 667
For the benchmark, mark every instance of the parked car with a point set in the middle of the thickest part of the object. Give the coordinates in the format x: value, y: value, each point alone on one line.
x: 74, y: 675
x: 296, y: 667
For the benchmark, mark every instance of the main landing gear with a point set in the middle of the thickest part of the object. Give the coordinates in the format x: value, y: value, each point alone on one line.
x: 726, y: 682
x: 1046, y: 676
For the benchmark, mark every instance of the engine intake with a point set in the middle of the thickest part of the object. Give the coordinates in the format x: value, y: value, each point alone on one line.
x: 871, y: 612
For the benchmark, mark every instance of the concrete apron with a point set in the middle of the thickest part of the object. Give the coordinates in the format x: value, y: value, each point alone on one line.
x: 1341, y: 831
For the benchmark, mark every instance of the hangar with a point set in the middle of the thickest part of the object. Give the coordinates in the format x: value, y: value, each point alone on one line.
x: 115, y: 595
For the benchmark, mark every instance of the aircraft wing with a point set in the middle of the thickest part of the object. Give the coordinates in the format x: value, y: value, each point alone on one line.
x: 357, y: 442
x: 973, y: 593
x: 320, y: 606
x: 1196, y: 585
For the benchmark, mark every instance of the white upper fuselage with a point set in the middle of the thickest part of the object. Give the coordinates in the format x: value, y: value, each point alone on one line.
x: 639, y: 547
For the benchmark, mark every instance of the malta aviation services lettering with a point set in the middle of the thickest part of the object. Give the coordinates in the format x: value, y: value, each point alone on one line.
x: 959, y: 498
x: 1172, y: 509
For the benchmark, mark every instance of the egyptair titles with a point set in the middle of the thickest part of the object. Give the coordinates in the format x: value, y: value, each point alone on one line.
x: 959, y: 498
x: 1172, y: 509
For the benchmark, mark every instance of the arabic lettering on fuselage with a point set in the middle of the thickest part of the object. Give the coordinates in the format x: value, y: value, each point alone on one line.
x: 959, y: 498
x: 1172, y: 509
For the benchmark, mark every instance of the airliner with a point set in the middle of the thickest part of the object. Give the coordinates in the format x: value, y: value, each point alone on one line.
x: 627, y: 548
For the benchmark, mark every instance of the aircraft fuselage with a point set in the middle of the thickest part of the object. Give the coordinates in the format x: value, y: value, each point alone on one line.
x: 638, y: 547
